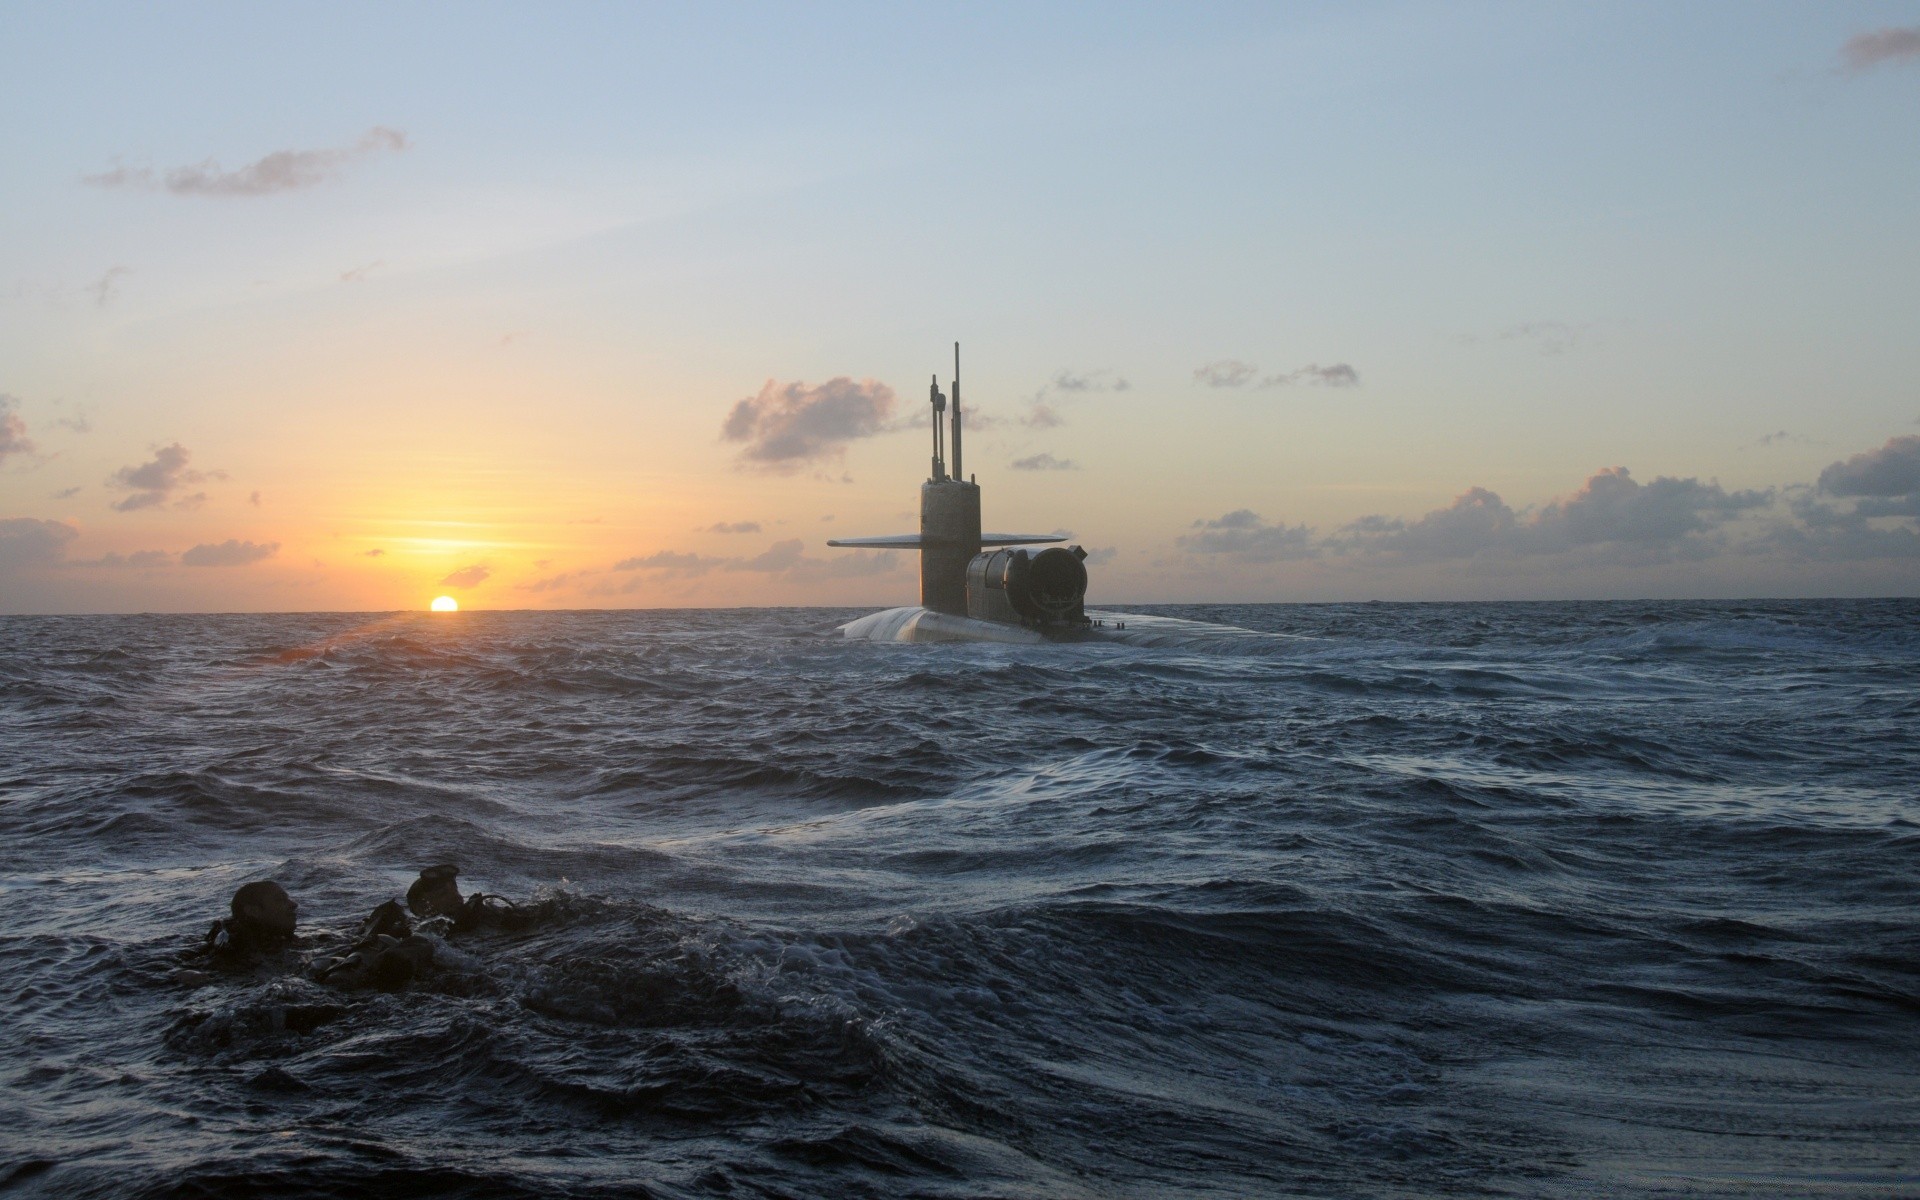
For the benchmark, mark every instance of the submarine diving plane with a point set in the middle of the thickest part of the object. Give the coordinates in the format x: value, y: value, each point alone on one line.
x: 974, y: 586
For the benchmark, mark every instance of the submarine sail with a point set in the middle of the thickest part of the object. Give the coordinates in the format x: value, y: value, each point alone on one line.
x: 974, y: 585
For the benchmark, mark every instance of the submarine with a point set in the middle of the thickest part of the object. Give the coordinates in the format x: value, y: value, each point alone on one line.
x: 975, y: 586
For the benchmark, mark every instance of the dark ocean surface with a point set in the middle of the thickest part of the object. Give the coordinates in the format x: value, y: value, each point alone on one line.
x: 1477, y: 899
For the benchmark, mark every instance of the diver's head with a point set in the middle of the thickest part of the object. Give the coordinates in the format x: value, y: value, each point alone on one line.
x: 264, y: 911
x: 435, y: 893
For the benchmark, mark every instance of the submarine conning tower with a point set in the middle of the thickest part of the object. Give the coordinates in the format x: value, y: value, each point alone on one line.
x: 1006, y: 587
x: 949, y: 514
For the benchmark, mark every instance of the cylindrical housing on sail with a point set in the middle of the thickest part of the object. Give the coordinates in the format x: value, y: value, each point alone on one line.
x: 949, y: 538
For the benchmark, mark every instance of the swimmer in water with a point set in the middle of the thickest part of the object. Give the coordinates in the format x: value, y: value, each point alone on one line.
x: 262, y: 921
x: 435, y: 894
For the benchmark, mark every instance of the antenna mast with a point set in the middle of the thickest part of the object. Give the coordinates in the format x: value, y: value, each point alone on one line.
x: 958, y: 474
x: 939, y: 403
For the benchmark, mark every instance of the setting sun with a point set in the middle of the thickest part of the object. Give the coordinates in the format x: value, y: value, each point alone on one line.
x: 445, y: 604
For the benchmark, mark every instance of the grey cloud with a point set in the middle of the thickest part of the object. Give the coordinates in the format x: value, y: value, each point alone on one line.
x: 670, y: 561
x: 281, y: 171
x: 230, y: 553
x: 31, y: 542
x: 66, y: 493
x: 554, y: 583
x: 1892, y: 45
x: 1044, y: 462
x: 734, y: 527
x: 358, y: 274
x: 1315, y: 375
x: 1232, y: 373
x: 1891, y: 470
x: 1638, y: 522
x: 1102, y: 554
x: 1101, y: 380
x: 1244, y: 535
x: 153, y: 483
x: 1043, y: 416
x: 374, y: 553
x: 782, y: 558
x: 13, y: 430
x: 1552, y: 337
x: 467, y: 577
x: 1226, y: 373
x: 139, y: 558
x: 107, y: 287
x: 789, y: 424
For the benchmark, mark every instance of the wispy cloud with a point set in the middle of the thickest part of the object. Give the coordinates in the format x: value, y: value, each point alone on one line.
x: 67, y: 493
x: 106, y: 288
x: 1896, y: 44
x: 1044, y: 462
x: 230, y: 553
x: 788, y: 425
x: 281, y: 171
x: 13, y: 429
x: 734, y: 527
x: 359, y: 274
x: 467, y: 577
x: 785, y: 558
x: 1232, y: 373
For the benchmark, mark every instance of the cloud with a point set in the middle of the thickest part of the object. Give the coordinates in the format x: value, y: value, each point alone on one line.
x: 1891, y: 470
x: 467, y: 577
x: 670, y: 561
x: 734, y: 527
x: 1226, y: 373
x: 281, y: 171
x: 358, y: 274
x: 78, y: 423
x: 1315, y: 375
x: 31, y: 542
x: 1101, y: 380
x: 554, y: 583
x: 1102, y: 554
x: 1044, y: 462
x: 1892, y: 45
x: 67, y: 493
x: 1043, y: 416
x: 1232, y: 373
x: 107, y: 287
x: 376, y: 552
x: 13, y: 430
x: 786, y: 558
x: 1243, y: 534
x: 153, y: 483
x: 254, y: 499
x: 230, y: 553
x: 789, y: 424
x: 139, y: 558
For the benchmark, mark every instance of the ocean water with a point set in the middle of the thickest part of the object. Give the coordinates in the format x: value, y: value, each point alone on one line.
x: 1346, y: 900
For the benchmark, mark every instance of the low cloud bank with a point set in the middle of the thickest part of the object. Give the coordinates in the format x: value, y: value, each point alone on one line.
x: 1863, y: 507
x: 1893, y: 45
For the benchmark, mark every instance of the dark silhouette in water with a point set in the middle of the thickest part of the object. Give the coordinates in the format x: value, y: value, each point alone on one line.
x: 262, y: 921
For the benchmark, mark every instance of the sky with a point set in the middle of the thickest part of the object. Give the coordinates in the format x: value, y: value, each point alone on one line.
x: 346, y: 307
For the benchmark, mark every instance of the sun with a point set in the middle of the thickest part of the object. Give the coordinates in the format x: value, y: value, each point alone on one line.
x: 445, y: 604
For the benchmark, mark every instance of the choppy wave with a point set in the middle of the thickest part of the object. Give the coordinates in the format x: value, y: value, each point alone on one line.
x: 1563, y: 899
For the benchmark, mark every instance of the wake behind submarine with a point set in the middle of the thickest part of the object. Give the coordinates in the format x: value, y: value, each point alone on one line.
x: 974, y: 586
